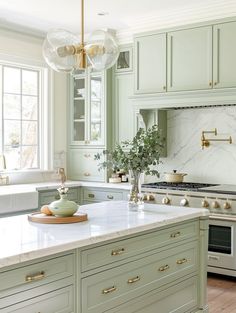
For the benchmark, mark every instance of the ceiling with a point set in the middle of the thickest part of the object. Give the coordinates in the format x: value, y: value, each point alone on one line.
x: 122, y: 15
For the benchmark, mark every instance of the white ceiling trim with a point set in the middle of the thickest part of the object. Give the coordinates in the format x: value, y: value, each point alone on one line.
x: 178, y: 18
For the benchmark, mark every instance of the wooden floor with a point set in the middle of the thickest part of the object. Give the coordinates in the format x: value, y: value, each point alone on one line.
x: 221, y: 294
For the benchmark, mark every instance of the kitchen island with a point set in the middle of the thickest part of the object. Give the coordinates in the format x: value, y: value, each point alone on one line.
x: 120, y: 261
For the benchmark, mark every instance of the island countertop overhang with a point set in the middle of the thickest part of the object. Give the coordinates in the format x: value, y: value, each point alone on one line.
x: 21, y: 240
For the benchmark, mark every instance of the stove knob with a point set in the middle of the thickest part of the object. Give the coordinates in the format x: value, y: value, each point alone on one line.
x: 145, y: 197
x: 205, y: 204
x: 151, y: 198
x: 227, y: 205
x: 215, y: 205
x: 183, y: 202
x: 165, y: 200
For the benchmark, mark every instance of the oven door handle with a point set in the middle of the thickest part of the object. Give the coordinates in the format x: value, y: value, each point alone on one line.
x: 223, y: 217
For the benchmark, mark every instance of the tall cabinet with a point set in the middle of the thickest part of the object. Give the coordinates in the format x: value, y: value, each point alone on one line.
x: 89, y: 122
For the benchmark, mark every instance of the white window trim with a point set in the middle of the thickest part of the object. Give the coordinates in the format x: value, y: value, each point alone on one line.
x: 46, y: 111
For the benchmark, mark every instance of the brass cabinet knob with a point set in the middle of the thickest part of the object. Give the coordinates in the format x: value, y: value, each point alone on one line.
x: 145, y: 197
x: 183, y: 202
x: 165, y: 200
x: 210, y: 84
x: 87, y: 174
x: 215, y: 83
x: 151, y: 197
x: 226, y: 205
x: 215, y: 205
x: 164, y: 87
x: 205, y: 204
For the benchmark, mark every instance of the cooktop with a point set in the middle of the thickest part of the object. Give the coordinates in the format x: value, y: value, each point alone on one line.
x: 178, y: 186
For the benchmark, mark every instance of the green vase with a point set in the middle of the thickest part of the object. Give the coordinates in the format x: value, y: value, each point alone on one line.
x: 63, y: 207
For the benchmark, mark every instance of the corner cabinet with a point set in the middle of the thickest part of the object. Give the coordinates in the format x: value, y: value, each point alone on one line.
x: 89, y: 123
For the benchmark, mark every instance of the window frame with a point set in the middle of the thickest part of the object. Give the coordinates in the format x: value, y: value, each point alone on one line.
x: 45, y: 110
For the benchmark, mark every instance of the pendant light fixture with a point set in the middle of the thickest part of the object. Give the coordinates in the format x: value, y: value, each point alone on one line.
x: 65, y: 52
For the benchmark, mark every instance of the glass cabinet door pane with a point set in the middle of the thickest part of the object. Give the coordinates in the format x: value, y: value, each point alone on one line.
x: 79, y: 131
x: 79, y: 110
x: 95, y: 108
x: 79, y: 87
x: 123, y: 61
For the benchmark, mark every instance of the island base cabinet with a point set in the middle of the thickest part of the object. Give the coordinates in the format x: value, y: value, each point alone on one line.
x: 59, y: 301
x: 181, y: 298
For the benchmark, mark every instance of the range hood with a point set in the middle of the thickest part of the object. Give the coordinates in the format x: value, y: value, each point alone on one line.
x: 189, y: 99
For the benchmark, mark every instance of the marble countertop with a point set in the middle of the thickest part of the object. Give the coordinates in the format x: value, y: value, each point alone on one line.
x: 21, y: 240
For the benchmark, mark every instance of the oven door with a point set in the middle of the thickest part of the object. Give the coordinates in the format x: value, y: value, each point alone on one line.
x: 221, y: 244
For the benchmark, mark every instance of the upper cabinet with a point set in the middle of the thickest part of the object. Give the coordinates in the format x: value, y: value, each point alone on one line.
x: 87, y: 109
x: 224, y: 55
x: 150, y: 63
x: 190, y: 59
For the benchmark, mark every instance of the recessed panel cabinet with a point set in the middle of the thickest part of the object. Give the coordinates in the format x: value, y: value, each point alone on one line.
x: 224, y: 55
x: 150, y: 63
x: 190, y: 59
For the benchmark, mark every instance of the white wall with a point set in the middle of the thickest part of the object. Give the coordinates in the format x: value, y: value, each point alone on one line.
x: 27, y: 47
x: 215, y: 164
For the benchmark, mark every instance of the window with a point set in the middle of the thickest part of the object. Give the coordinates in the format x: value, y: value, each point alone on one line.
x: 23, y: 93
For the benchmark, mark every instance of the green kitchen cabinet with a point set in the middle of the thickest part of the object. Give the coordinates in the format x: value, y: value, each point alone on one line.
x: 224, y: 55
x: 123, y: 108
x: 90, y: 124
x: 47, y: 196
x: 87, y: 109
x: 43, y: 285
x: 99, y: 194
x: 150, y: 63
x: 83, y: 166
x: 189, y: 62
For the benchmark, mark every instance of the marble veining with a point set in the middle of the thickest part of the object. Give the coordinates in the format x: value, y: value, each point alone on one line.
x: 216, y: 164
x: 21, y: 240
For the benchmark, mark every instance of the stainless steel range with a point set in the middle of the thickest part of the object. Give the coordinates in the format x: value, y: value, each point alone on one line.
x: 220, y: 200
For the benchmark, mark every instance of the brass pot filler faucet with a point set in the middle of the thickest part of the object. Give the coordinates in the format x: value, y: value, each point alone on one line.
x: 206, y: 142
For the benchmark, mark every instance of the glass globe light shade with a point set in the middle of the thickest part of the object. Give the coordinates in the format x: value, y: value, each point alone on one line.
x: 55, y: 39
x: 102, y: 50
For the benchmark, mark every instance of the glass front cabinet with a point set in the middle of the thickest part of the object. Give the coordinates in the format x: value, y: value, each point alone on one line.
x: 87, y: 109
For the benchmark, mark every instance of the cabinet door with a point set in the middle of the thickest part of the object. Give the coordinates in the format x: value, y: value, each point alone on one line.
x: 150, y: 64
x: 79, y: 110
x: 190, y: 59
x: 124, y: 115
x: 96, y: 110
x: 224, y: 55
x: 82, y: 166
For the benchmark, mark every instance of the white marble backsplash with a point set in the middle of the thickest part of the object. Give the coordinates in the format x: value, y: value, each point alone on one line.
x: 215, y: 164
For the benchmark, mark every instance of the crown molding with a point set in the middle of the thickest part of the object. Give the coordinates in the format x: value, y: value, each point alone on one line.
x: 179, y: 17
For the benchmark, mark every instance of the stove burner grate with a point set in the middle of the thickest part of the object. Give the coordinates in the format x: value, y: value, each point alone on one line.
x: 177, y: 186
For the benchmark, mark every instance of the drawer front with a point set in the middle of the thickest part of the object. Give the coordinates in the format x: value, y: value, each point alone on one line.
x: 50, y: 196
x: 120, y: 250
x: 31, y: 276
x: 100, y: 195
x: 59, y: 301
x: 181, y: 298
x: 82, y: 165
x: 115, y: 286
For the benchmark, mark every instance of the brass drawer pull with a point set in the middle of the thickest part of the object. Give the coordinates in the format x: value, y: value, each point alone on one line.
x: 181, y: 261
x: 110, y: 197
x: 87, y: 174
x: 174, y: 235
x: 133, y: 280
x: 87, y: 155
x: 163, y: 268
x: 210, y: 84
x: 109, y: 290
x: 34, y: 277
x: 91, y: 195
x: 118, y: 251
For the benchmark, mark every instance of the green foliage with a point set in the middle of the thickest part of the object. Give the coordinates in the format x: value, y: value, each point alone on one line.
x: 139, y: 154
